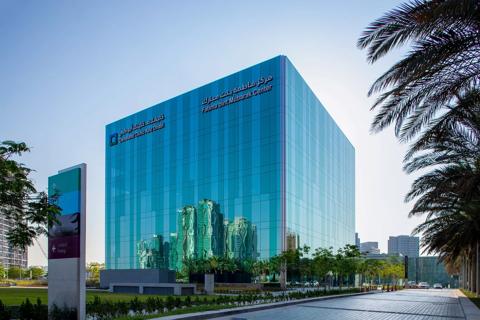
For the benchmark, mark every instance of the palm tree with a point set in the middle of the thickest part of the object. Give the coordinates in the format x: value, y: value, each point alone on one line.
x: 451, y: 148
x: 214, y: 264
x: 231, y: 265
x: 262, y: 269
x: 442, y: 63
x: 449, y: 194
x: 452, y: 138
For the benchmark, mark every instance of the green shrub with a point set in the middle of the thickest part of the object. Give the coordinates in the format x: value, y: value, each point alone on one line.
x: 135, y: 305
x: 188, y: 301
x: 40, y: 310
x: 5, y: 314
x: 170, y: 304
x: 160, y: 304
x: 150, y: 304
x: 178, y: 302
x: 62, y: 314
x: 26, y: 311
x: 121, y: 307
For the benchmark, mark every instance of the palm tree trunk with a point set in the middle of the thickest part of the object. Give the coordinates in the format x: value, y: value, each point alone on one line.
x: 469, y: 282
x: 472, y: 275
x: 467, y: 273
x: 474, y: 270
x: 477, y: 269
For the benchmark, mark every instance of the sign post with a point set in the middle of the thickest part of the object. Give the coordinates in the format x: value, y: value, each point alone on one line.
x: 66, y: 240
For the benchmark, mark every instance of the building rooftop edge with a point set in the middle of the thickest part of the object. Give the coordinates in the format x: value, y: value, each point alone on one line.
x: 201, y: 86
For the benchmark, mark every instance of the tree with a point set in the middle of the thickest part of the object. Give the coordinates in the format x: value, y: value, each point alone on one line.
x: 14, y: 272
x: 214, y: 264
x: 93, y: 270
x: 274, y: 264
x: 305, y: 266
x: 397, y: 271
x: 261, y: 268
x: 372, y: 269
x: 229, y: 265
x: 434, y: 92
x: 3, y: 271
x: 442, y: 63
x: 35, y: 272
x: 29, y: 211
x: 346, y: 262
x: 323, y: 262
x: 449, y: 194
x: 285, y: 261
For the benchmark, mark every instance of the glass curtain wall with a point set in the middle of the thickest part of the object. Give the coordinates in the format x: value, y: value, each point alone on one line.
x: 198, y: 174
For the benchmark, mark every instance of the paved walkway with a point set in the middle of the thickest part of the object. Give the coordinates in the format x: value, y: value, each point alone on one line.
x: 416, y: 304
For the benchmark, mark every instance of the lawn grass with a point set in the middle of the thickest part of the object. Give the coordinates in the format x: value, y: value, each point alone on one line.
x: 15, y: 296
x: 472, y: 297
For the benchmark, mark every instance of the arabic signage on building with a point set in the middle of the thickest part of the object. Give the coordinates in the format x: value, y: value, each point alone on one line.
x: 243, y: 92
x: 138, y: 130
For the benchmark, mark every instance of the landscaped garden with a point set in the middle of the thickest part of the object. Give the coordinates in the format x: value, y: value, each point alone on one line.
x: 15, y: 296
x: 321, y: 272
x: 104, y: 305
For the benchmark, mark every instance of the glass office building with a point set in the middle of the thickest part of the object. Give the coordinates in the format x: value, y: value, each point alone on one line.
x: 243, y: 167
x: 405, y: 245
x: 430, y: 270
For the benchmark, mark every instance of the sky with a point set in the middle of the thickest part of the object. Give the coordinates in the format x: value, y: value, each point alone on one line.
x: 69, y: 68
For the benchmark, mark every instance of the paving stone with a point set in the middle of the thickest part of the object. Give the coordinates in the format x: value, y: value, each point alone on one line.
x: 405, y: 305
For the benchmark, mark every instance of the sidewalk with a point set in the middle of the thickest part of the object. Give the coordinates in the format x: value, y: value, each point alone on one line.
x: 469, y: 308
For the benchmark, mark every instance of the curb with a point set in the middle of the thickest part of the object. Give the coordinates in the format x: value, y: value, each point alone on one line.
x: 259, y: 307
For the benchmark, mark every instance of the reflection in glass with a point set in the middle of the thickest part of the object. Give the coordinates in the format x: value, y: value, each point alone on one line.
x: 201, y: 233
x: 153, y: 253
x: 293, y: 241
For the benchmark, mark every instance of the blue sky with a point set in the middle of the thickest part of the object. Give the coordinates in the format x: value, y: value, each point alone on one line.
x: 69, y: 68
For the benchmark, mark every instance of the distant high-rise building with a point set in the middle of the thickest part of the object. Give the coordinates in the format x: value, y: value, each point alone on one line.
x: 431, y: 270
x: 210, y: 229
x: 357, y: 240
x: 293, y: 241
x: 153, y: 253
x: 240, y: 239
x: 202, y: 232
x: 187, y: 233
x: 174, y: 262
x: 405, y: 245
x: 10, y: 256
x: 369, y: 247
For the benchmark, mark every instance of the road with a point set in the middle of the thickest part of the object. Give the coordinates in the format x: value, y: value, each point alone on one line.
x: 417, y: 304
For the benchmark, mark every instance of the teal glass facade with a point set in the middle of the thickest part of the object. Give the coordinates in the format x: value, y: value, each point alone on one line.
x: 320, y: 170
x: 244, y: 167
x: 430, y: 270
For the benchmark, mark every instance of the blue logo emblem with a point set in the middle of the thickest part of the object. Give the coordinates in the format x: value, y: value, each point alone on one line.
x: 113, y: 139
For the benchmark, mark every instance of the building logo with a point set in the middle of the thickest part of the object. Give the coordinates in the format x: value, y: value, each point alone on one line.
x: 113, y: 139
x: 136, y: 130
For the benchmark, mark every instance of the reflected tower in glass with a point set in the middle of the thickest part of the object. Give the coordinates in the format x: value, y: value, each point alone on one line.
x: 243, y: 167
